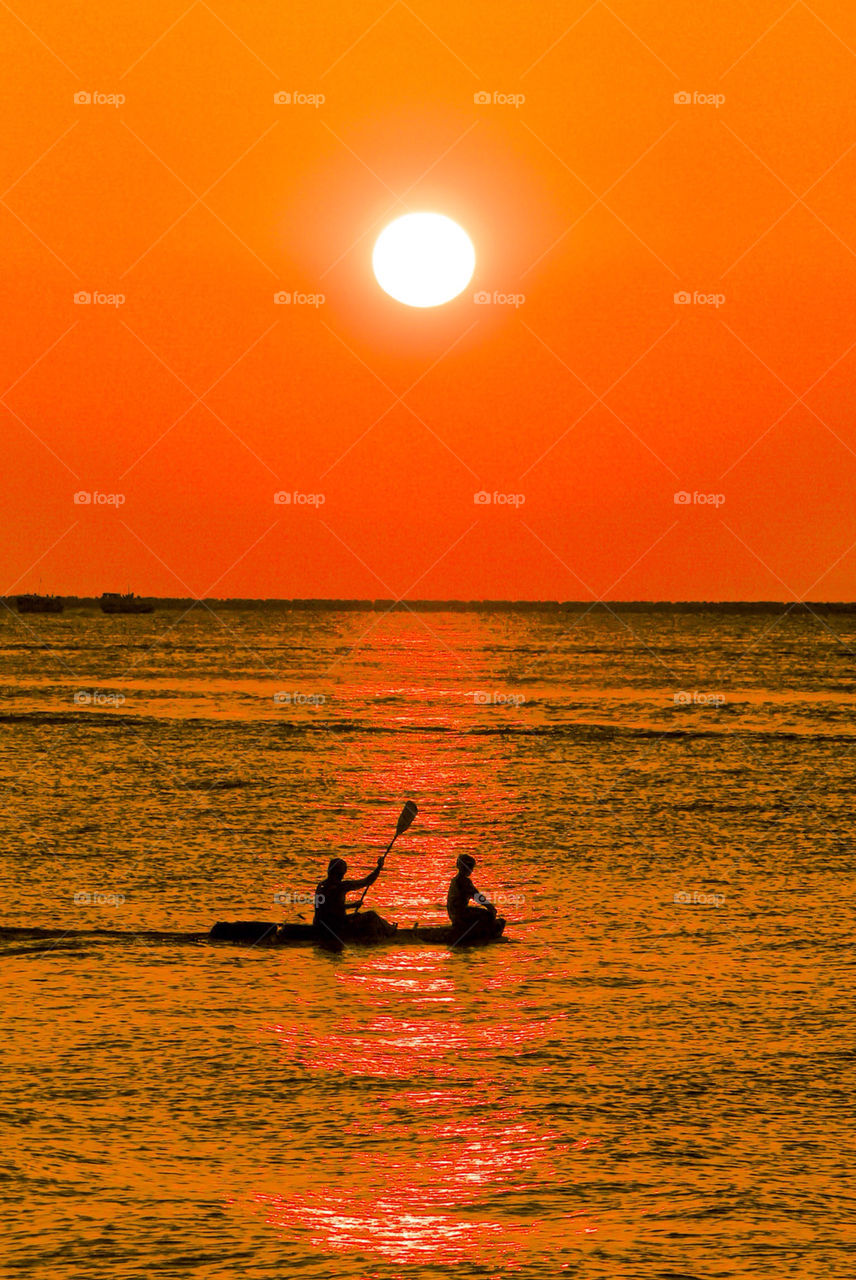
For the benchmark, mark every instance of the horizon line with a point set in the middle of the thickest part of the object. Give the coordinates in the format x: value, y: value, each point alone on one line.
x: 404, y: 602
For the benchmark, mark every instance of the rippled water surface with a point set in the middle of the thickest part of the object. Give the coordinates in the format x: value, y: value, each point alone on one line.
x: 653, y: 1075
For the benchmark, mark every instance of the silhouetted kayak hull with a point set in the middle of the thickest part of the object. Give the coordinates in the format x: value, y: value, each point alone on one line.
x: 265, y: 933
x: 370, y: 929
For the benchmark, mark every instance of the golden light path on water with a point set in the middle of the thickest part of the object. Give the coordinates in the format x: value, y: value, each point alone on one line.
x: 415, y: 1208
x: 419, y: 1209
x: 422, y: 1206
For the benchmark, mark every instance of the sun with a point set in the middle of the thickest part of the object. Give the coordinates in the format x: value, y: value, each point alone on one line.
x: 423, y: 259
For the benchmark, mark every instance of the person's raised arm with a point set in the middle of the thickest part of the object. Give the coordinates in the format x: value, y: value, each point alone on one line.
x: 349, y: 886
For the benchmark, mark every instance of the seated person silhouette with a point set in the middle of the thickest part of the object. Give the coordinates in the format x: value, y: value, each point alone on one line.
x: 331, y: 906
x: 465, y: 918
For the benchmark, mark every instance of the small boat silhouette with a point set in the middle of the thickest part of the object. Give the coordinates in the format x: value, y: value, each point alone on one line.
x: 32, y: 603
x: 113, y: 602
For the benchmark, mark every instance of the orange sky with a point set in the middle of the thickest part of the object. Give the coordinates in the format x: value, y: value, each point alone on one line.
x: 597, y: 398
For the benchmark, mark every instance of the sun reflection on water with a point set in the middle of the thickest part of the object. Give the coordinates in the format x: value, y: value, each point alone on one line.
x: 439, y: 1203
x: 404, y: 1048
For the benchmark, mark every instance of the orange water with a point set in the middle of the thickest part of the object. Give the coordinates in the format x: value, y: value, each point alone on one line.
x: 632, y: 1086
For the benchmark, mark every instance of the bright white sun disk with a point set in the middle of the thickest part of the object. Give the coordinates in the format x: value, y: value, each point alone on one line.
x: 423, y: 259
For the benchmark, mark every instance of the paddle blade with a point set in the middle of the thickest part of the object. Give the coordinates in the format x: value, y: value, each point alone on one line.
x: 408, y: 813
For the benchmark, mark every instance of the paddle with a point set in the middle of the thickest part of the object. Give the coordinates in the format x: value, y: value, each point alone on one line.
x: 408, y: 813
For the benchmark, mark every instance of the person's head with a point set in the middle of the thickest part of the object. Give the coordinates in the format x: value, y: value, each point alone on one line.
x: 466, y: 864
x: 336, y: 869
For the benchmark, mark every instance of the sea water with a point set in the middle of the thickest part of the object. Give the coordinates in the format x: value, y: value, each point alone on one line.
x: 652, y: 1076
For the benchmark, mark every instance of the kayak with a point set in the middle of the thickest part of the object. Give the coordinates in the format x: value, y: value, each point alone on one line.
x: 266, y: 933
x: 367, y: 929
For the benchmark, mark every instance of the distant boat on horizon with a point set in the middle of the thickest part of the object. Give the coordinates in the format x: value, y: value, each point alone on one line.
x: 32, y: 603
x: 113, y: 602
